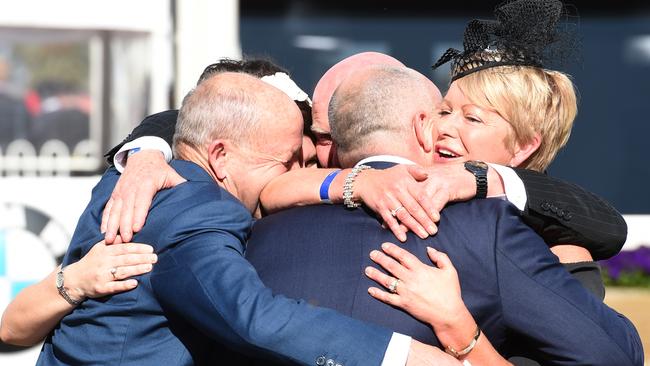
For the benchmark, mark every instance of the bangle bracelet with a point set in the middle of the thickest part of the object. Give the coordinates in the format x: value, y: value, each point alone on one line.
x: 348, y: 187
x: 467, y: 349
x: 324, y: 190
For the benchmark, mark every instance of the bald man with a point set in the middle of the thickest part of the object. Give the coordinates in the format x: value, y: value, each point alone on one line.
x: 325, y: 150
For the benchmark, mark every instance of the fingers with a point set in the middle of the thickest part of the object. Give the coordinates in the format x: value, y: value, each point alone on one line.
x: 141, y: 209
x: 437, y: 202
x: 105, y: 215
x: 126, y: 218
x: 126, y: 271
x: 417, y: 172
x: 116, y: 287
x: 387, y: 297
x: 113, y: 221
x: 440, y: 259
x: 393, y: 225
x: 389, y: 264
x: 416, y: 218
x: 404, y: 257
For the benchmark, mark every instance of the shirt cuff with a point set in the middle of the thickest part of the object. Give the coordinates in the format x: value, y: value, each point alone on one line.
x: 512, y: 185
x: 397, y: 351
x: 141, y: 143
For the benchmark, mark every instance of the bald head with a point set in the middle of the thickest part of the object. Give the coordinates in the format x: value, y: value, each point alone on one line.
x: 325, y: 88
x: 374, y: 111
x: 229, y: 105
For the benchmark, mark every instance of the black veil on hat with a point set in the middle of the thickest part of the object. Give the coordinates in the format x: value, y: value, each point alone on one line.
x: 524, y: 33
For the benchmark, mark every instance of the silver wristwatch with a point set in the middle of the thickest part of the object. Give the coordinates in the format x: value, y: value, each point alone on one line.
x: 61, y: 288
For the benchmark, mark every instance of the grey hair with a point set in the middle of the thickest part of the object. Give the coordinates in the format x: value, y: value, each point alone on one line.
x: 209, y: 112
x: 357, y: 114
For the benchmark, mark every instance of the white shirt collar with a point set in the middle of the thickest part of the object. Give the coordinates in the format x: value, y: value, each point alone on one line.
x: 386, y: 158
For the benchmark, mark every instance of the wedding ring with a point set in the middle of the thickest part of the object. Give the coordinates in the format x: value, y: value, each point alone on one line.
x: 393, y: 286
x: 113, y: 272
x: 395, y: 211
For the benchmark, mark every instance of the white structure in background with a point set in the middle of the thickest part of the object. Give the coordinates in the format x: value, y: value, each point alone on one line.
x: 142, y: 56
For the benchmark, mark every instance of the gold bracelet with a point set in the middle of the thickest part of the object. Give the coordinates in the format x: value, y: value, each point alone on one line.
x: 467, y: 349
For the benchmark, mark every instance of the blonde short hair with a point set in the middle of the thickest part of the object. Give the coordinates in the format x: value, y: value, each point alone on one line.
x: 532, y: 100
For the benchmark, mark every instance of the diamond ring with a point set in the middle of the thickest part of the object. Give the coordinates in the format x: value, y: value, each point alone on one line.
x: 395, y: 211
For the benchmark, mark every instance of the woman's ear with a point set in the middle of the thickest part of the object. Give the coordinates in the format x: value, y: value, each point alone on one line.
x: 217, y: 155
x: 524, y: 151
x: 422, y: 124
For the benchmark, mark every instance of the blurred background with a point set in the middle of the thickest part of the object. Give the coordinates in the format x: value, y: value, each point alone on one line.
x: 76, y: 76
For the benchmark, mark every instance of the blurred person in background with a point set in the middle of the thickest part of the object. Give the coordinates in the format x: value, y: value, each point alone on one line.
x: 14, y: 118
x: 64, y: 114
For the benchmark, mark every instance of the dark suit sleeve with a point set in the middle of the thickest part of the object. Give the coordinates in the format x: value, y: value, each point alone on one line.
x: 564, y: 213
x: 548, y: 311
x: 206, y: 281
x: 161, y: 124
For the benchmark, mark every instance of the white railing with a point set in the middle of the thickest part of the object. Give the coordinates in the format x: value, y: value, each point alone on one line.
x: 20, y: 158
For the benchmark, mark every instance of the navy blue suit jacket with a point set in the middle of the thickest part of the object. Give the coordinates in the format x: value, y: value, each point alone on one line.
x: 517, y: 291
x: 201, y: 290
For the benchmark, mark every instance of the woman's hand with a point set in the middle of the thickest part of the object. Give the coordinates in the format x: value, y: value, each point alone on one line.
x: 145, y: 174
x: 107, y: 269
x: 431, y: 294
x: 394, y: 194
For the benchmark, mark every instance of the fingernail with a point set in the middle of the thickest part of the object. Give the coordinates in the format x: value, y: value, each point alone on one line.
x: 431, y: 229
x: 429, y: 249
x: 423, y: 234
x: 367, y: 271
x: 132, y: 282
x: 371, y: 291
x: 385, y: 245
x: 373, y: 254
x: 154, y: 258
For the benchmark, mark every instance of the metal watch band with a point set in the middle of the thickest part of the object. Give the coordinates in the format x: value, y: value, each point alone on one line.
x: 479, y: 170
x: 61, y: 288
x: 348, y: 186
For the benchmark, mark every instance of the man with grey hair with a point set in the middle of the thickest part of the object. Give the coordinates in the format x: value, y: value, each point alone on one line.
x: 516, y: 291
x: 234, y: 134
x: 380, y: 106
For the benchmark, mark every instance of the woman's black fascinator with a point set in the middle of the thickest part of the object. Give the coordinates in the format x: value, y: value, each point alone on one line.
x: 524, y: 33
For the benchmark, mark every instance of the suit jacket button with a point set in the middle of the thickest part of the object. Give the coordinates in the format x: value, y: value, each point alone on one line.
x: 545, y: 205
x: 320, y: 361
x: 329, y: 362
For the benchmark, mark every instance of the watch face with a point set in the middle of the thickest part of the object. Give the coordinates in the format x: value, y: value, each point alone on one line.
x: 59, y: 280
x: 478, y: 164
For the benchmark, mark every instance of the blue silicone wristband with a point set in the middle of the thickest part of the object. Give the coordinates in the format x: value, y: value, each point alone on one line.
x: 325, y: 186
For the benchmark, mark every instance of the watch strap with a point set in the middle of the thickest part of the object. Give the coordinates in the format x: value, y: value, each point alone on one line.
x: 60, y: 286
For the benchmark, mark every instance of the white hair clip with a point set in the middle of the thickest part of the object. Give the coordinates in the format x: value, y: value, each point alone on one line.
x: 283, y: 82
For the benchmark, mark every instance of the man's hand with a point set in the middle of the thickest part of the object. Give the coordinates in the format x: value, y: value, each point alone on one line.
x: 422, y: 354
x: 145, y: 174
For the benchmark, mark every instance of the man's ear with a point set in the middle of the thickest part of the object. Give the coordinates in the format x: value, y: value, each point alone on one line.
x: 422, y: 123
x: 218, y: 151
x: 524, y: 151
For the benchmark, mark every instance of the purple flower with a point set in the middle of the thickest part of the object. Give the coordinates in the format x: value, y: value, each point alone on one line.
x: 637, y: 260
